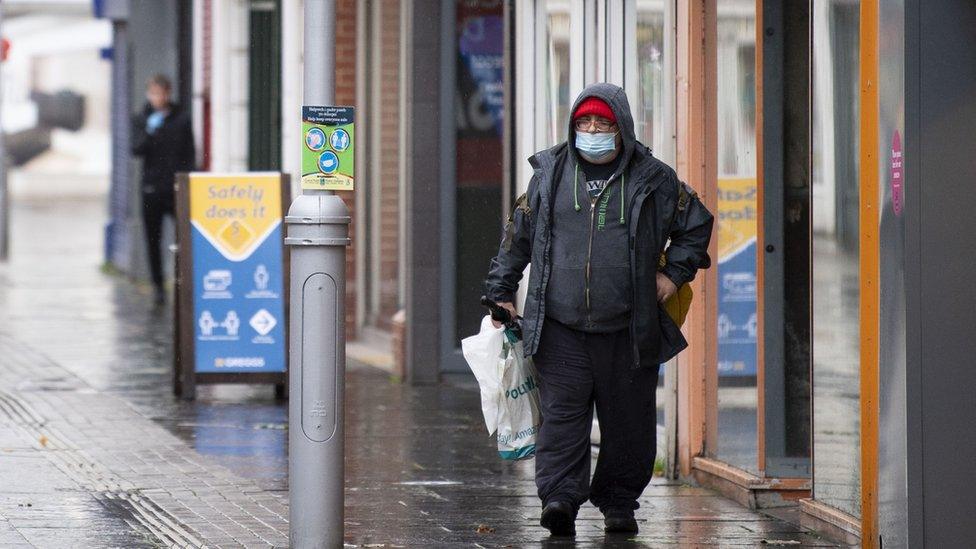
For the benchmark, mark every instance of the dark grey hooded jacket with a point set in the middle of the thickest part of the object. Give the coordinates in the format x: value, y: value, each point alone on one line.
x: 654, y: 216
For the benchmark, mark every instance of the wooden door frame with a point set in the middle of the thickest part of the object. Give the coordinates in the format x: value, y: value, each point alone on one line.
x: 696, y: 163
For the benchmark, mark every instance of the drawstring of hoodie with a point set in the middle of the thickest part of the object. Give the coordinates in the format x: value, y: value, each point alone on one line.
x: 576, y: 189
x: 623, y: 192
x: 576, y: 205
x: 623, y: 195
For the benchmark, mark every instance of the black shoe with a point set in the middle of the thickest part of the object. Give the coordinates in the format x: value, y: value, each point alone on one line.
x: 619, y: 519
x: 560, y: 518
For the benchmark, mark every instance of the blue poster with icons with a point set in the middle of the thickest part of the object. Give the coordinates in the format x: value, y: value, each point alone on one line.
x: 737, y: 328
x: 238, y: 286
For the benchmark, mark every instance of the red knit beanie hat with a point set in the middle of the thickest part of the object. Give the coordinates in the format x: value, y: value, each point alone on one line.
x: 597, y: 106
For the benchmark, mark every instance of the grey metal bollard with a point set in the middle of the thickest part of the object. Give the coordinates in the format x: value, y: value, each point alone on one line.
x: 318, y: 234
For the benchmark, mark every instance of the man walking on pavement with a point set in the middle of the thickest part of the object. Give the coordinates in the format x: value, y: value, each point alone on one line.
x: 163, y: 137
x: 599, y: 213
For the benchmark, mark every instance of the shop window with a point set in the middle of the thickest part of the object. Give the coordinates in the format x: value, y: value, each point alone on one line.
x: 652, y: 114
x: 480, y: 104
x: 557, y: 82
x: 836, y: 280
x: 736, y: 233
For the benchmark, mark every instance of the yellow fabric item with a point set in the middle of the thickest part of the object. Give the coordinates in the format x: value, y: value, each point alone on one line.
x: 678, y: 305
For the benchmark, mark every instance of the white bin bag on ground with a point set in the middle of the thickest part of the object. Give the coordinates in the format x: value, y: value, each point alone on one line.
x: 509, y: 390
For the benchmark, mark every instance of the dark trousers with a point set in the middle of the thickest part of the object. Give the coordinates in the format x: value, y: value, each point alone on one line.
x: 578, y: 370
x: 154, y: 209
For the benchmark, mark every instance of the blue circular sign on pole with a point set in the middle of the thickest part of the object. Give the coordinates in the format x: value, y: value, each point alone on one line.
x: 339, y: 140
x: 315, y: 139
x: 328, y: 162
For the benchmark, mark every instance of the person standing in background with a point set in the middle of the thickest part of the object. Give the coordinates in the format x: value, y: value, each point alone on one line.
x: 163, y: 137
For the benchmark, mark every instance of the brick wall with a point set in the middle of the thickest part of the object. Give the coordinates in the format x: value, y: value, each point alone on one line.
x: 345, y: 94
x: 386, y: 121
x: 389, y: 163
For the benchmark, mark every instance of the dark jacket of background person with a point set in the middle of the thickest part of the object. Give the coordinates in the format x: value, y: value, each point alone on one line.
x: 652, y: 216
x: 165, y: 152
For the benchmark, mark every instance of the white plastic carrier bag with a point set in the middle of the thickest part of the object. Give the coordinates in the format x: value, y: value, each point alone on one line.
x: 509, y: 389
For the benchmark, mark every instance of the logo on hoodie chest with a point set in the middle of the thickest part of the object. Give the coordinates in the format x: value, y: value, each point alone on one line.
x: 595, y: 187
x: 601, y: 210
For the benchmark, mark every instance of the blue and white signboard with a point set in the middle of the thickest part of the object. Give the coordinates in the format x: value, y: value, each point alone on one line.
x: 737, y: 318
x: 238, y: 287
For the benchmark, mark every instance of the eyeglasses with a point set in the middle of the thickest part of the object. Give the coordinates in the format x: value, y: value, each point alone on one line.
x: 601, y: 124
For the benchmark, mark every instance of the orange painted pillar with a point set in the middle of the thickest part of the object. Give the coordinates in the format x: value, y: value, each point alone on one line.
x: 697, y: 155
x: 760, y: 255
x: 870, y: 271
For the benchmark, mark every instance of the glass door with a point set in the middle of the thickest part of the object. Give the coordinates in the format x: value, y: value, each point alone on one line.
x: 836, y: 265
x: 736, y: 226
x: 564, y: 45
x: 649, y: 80
x: 762, y: 314
x: 471, y: 208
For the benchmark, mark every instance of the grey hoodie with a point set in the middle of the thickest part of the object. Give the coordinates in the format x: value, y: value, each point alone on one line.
x: 590, y: 288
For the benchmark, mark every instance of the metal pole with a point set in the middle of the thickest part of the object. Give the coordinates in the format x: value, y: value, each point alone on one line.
x: 319, y: 52
x: 318, y: 234
x: 4, y: 196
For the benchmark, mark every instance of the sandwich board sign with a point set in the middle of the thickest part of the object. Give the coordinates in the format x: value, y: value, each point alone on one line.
x: 231, y: 293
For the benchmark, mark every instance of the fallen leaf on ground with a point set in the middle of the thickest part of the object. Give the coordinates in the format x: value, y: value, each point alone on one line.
x: 485, y: 529
x: 43, y: 441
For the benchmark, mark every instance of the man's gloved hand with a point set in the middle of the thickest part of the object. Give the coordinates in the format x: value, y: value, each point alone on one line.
x: 154, y: 121
x: 508, y: 307
x: 665, y: 288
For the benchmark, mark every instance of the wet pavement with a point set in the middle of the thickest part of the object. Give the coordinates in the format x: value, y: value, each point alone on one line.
x: 95, y: 451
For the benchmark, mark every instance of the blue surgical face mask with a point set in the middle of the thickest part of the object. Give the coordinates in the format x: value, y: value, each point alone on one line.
x: 595, y: 147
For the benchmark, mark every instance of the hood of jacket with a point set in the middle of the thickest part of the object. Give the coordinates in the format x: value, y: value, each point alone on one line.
x: 616, y: 98
x: 637, y: 160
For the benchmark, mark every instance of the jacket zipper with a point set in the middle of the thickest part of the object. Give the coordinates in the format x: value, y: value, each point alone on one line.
x: 589, y: 254
x: 589, y: 248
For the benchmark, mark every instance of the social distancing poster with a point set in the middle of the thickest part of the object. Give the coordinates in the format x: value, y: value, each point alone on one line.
x: 328, y: 148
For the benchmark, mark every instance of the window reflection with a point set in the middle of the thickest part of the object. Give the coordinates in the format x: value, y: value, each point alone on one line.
x: 836, y: 345
x: 653, y: 110
x: 557, y: 101
x: 736, y: 229
x: 649, y: 105
x: 480, y: 35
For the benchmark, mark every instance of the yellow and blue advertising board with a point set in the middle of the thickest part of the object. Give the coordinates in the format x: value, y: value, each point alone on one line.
x: 737, y: 319
x: 237, y: 273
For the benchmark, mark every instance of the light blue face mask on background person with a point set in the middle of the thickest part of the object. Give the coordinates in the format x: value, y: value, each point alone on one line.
x: 595, y: 147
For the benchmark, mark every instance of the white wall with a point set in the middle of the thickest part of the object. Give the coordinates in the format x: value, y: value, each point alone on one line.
x: 229, y: 93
